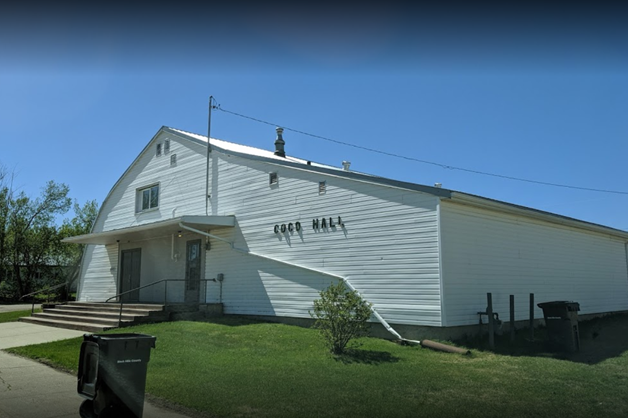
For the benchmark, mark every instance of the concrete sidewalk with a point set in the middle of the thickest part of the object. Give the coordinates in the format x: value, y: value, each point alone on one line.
x: 32, y: 389
x: 19, y: 307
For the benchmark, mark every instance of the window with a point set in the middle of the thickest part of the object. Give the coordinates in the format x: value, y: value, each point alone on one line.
x: 158, y: 150
x: 322, y: 187
x: 148, y: 198
x: 273, y: 178
x: 173, y: 160
x: 166, y: 146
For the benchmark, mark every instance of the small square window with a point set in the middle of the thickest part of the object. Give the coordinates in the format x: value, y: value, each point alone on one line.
x: 173, y: 160
x: 322, y: 187
x: 166, y: 146
x: 273, y: 178
x: 148, y: 198
x: 158, y: 150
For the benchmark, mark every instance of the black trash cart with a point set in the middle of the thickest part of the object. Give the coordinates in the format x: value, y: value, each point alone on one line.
x: 112, y: 374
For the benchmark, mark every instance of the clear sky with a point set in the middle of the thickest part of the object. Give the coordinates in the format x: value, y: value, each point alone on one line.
x: 530, y: 92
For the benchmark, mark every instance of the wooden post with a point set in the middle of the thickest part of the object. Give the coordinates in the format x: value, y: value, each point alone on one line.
x: 531, y: 316
x: 512, y: 318
x: 491, y: 322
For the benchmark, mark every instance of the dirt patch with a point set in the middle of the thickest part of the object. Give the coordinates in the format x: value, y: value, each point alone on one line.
x: 600, y: 339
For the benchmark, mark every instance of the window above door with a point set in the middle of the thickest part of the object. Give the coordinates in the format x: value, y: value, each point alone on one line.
x: 147, y: 198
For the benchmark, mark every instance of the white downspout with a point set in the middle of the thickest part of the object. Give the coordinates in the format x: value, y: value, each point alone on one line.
x: 344, y: 279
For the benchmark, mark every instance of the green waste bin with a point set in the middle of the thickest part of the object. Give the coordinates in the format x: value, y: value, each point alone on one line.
x: 561, y: 319
x: 112, y: 374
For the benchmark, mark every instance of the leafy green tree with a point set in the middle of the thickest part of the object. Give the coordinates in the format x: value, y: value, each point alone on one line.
x: 31, y: 233
x: 31, y: 253
x: 341, y: 315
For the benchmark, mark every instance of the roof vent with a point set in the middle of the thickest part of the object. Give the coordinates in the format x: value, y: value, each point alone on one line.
x: 279, y: 143
x: 438, y: 185
x: 346, y: 165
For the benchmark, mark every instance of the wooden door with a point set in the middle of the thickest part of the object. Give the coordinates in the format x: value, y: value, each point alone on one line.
x: 192, y: 271
x: 131, y: 261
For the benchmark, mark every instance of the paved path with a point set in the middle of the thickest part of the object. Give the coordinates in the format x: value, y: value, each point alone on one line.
x: 18, y: 307
x: 30, y: 389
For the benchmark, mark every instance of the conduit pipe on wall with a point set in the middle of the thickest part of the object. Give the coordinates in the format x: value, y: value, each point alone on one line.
x: 344, y: 279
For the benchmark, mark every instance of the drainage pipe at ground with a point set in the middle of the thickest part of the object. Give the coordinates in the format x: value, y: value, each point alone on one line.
x: 430, y: 344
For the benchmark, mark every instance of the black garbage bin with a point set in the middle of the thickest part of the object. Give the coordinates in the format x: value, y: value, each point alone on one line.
x: 112, y: 374
x: 561, y: 319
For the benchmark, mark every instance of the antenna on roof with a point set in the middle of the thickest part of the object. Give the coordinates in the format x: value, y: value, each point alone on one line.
x: 212, y: 104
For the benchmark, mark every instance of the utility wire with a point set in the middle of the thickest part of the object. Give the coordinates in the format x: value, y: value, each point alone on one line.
x: 405, y: 157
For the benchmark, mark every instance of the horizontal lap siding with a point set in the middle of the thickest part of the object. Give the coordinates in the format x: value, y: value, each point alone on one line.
x: 485, y: 251
x: 182, y: 188
x: 99, y: 279
x: 388, y: 247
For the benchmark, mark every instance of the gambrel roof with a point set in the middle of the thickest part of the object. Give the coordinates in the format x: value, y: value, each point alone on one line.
x: 452, y: 195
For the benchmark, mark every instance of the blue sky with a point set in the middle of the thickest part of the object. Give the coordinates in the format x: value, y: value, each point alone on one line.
x: 533, y: 93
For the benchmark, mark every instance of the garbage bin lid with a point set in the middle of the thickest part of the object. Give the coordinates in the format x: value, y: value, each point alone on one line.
x: 570, y: 305
x: 105, y: 338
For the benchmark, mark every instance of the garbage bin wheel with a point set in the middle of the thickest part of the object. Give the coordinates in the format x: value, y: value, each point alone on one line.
x: 86, y: 409
x: 116, y: 411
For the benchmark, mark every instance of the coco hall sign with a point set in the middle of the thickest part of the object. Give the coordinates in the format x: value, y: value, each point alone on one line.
x: 317, y: 225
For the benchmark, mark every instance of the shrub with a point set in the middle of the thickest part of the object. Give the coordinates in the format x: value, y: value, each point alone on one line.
x: 341, y: 316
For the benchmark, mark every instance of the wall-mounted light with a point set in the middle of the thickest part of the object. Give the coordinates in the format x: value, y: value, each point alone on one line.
x: 179, y: 234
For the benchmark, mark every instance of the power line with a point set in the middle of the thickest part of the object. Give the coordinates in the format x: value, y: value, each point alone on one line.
x: 405, y: 157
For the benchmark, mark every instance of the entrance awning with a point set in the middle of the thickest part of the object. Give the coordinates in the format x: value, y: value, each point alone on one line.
x: 152, y: 230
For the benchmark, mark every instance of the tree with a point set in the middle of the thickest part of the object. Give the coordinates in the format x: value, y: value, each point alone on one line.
x: 31, y: 233
x: 341, y: 316
x: 31, y: 253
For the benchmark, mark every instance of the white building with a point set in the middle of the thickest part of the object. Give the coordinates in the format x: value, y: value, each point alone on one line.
x: 275, y: 230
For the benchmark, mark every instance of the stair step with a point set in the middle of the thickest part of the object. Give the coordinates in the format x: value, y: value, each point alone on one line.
x: 109, y: 309
x: 144, y: 306
x: 104, y: 314
x: 97, y: 314
x: 71, y: 318
x: 80, y: 326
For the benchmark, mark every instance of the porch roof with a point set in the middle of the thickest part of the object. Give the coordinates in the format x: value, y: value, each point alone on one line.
x: 152, y: 230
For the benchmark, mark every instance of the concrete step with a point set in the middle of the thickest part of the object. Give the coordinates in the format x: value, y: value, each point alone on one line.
x: 95, y: 314
x: 80, y: 326
x: 111, y: 308
x: 110, y: 322
x: 114, y: 305
x: 98, y: 316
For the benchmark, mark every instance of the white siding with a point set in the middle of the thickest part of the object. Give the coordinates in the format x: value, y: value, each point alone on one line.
x: 388, y: 246
x: 99, y: 273
x: 487, y: 251
x: 182, y: 188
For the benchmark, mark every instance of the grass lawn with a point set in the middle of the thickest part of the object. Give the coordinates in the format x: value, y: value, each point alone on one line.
x: 239, y: 368
x: 15, y: 315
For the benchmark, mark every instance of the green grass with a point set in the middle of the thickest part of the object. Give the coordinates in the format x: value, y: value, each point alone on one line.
x: 240, y: 368
x: 14, y: 316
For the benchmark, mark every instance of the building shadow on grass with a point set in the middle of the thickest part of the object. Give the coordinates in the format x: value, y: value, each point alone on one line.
x: 235, y: 320
x: 600, y: 339
x: 356, y: 355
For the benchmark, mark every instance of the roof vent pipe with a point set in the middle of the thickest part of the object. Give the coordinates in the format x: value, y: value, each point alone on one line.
x: 279, y: 144
x: 346, y: 165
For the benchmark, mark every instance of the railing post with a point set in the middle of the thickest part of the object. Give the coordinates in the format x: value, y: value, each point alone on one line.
x: 512, y: 318
x: 491, y: 326
x: 531, y: 316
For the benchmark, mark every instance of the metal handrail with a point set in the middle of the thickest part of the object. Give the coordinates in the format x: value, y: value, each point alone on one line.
x: 39, y: 291
x: 149, y: 285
